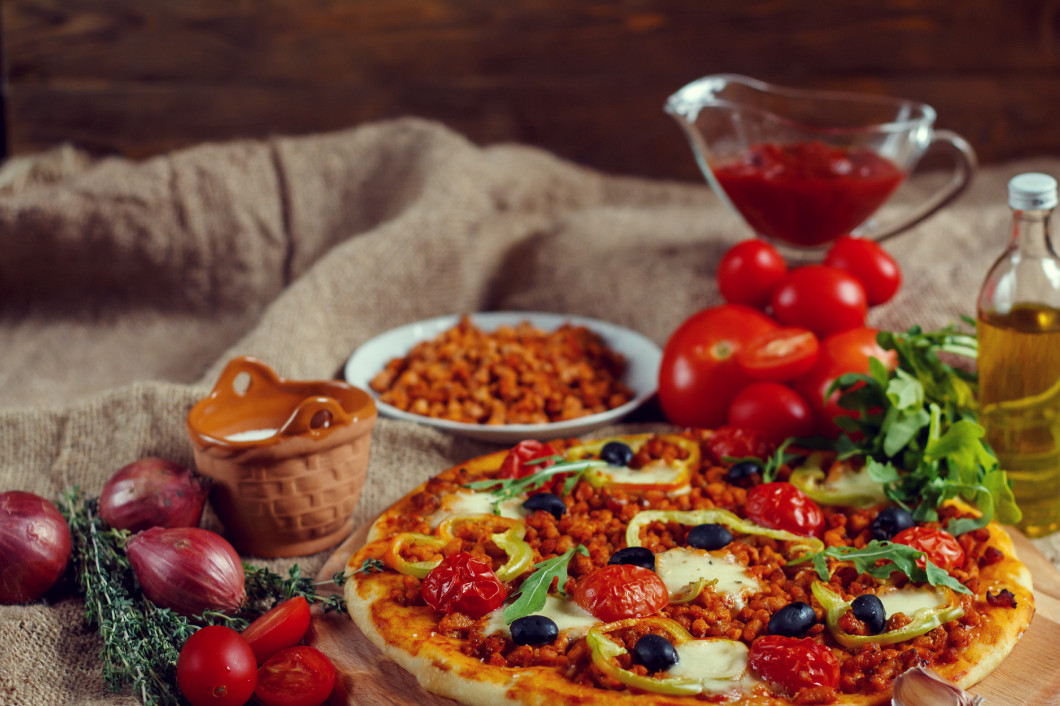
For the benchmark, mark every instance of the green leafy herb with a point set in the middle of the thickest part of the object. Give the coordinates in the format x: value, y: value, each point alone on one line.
x: 881, y: 559
x: 771, y: 466
x: 368, y: 566
x: 530, y: 597
x: 917, y: 429
x: 507, y: 488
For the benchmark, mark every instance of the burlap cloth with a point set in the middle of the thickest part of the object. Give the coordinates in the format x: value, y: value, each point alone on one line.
x: 126, y: 286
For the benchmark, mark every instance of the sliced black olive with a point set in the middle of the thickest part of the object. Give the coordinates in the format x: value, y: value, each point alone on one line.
x: 534, y: 630
x: 709, y: 537
x: 869, y: 609
x: 890, y: 522
x: 638, y: 556
x: 793, y: 620
x: 740, y: 473
x: 549, y: 502
x: 616, y: 453
x: 655, y: 653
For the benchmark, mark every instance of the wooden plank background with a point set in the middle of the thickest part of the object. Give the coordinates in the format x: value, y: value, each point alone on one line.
x: 586, y: 80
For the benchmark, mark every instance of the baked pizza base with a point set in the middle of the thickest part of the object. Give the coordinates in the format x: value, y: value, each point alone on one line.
x: 407, y: 634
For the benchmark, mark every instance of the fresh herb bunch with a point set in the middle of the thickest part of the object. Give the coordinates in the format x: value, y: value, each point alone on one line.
x: 881, y: 559
x: 917, y: 429
x: 141, y: 641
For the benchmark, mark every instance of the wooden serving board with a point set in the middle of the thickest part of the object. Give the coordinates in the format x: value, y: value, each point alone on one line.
x: 364, y: 677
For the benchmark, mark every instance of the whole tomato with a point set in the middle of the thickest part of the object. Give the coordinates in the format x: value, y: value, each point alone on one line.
x: 216, y: 667
x: 619, y: 591
x: 869, y: 263
x: 821, y: 298
x: 794, y: 663
x: 772, y: 408
x: 515, y: 465
x: 783, y: 506
x: 462, y: 583
x: 749, y: 271
x: 841, y: 353
x: 939, y: 546
x: 699, y: 375
x: 295, y: 676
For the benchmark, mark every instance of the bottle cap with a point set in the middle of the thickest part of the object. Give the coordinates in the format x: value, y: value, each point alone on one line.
x: 1032, y: 192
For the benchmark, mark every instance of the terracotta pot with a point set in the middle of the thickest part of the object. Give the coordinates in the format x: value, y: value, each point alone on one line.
x: 288, y: 458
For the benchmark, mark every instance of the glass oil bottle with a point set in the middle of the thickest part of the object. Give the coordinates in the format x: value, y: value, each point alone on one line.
x: 1019, y: 355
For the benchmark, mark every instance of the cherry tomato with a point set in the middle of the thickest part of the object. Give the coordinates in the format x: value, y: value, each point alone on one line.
x: 216, y: 667
x: 780, y: 355
x: 794, y: 663
x: 514, y: 464
x: 619, y: 591
x: 698, y: 375
x: 783, y: 506
x: 772, y: 408
x: 821, y: 298
x: 462, y: 583
x: 295, y: 676
x: 869, y: 263
x: 749, y: 271
x: 841, y: 353
x: 283, y: 626
x: 940, y: 547
x: 736, y: 442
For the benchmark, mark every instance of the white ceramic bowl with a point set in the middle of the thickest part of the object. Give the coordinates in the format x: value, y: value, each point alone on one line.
x: 642, y: 371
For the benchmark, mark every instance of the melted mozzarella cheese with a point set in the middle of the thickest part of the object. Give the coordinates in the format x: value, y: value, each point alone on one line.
x: 657, y: 473
x: 910, y: 600
x: 457, y: 504
x: 565, y: 613
x: 678, y: 568
x: 717, y: 664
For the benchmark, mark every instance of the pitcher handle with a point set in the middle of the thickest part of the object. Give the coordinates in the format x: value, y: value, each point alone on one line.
x: 314, y: 416
x: 965, y: 163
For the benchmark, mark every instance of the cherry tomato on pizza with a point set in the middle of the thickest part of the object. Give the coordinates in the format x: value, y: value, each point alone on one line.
x: 772, y: 408
x: 794, y: 663
x: 779, y: 355
x: 869, y: 263
x: 699, y: 375
x: 782, y: 506
x: 821, y: 298
x: 748, y: 272
x: 515, y: 463
x: 464, y: 584
x: 939, y: 546
x: 283, y: 626
x: 619, y: 591
x: 295, y: 676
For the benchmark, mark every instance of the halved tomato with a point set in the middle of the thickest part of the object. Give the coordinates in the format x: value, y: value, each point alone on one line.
x: 780, y: 355
x: 283, y: 626
x: 296, y: 676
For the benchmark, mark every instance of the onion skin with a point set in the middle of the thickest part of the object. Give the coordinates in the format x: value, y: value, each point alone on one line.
x: 187, y: 569
x: 34, y: 546
x: 152, y: 492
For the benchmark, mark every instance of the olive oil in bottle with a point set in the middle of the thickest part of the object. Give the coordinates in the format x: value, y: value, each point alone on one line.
x: 1019, y: 355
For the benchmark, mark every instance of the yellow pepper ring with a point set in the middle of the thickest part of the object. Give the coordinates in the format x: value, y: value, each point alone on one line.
x: 715, y: 516
x: 810, y: 478
x: 604, y: 652
x: 447, y: 529
x: 393, y: 558
x: 598, y: 477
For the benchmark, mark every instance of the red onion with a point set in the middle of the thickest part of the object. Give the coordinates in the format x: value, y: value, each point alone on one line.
x: 34, y: 546
x: 152, y: 492
x: 187, y: 569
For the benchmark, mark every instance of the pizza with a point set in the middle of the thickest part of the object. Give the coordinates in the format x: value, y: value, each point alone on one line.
x: 654, y: 569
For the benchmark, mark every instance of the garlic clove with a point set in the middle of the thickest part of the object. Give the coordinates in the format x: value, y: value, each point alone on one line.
x: 923, y: 687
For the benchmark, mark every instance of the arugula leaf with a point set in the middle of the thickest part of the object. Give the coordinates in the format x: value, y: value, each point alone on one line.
x: 770, y: 466
x: 510, y: 487
x: 530, y: 596
x: 880, y: 560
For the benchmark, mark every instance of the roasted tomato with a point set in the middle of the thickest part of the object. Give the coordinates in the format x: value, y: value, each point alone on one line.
x: 619, y: 591
x: 785, y: 507
x: 515, y: 463
x: 464, y: 584
x: 940, y: 547
x: 794, y: 663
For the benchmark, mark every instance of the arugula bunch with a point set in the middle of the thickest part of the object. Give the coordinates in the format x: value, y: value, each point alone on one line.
x: 881, y: 559
x: 917, y: 429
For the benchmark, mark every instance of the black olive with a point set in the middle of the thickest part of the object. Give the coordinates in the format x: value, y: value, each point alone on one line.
x: 638, y: 556
x: 890, y: 522
x: 549, y: 502
x: 869, y: 609
x: 616, y: 453
x: 740, y: 473
x: 655, y: 653
x: 793, y: 620
x: 709, y: 537
x: 534, y: 630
